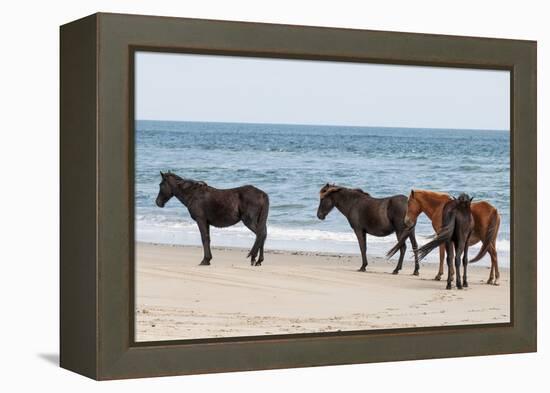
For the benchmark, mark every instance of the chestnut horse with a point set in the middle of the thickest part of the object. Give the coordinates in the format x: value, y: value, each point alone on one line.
x: 486, y: 225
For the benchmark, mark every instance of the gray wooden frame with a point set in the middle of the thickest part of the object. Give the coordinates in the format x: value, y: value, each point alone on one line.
x: 96, y: 267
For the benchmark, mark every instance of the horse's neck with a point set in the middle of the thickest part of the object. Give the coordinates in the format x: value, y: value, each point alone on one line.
x: 431, y: 202
x: 184, y: 197
x: 344, y: 200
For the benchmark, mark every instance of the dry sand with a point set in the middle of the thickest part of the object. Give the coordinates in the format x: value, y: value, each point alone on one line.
x: 298, y: 293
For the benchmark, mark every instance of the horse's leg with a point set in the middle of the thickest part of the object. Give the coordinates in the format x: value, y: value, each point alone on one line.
x: 402, y: 251
x: 494, y: 265
x: 441, y: 261
x: 261, y: 258
x: 452, y: 251
x: 204, y: 229
x: 254, y: 250
x: 256, y: 221
x: 262, y: 235
x: 362, y: 239
x: 448, y: 246
x: 414, y: 244
x: 251, y: 224
x: 459, y: 250
x: 492, y: 273
x: 401, y: 255
x: 465, y: 266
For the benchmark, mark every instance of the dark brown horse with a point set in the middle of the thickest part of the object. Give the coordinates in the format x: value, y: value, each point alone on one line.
x: 458, y: 224
x: 220, y: 208
x: 486, y: 226
x: 365, y: 214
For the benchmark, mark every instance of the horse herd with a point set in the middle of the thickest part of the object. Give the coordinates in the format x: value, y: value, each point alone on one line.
x: 458, y: 222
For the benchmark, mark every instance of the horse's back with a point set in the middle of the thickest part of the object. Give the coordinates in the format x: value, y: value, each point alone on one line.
x: 483, y: 208
x: 484, y: 213
x: 250, y: 196
x: 400, y: 199
x: 241, y: 190
x: 394, y: 200
x: 382, y: 216
x: 225, y: 207
x: 251, y: 192
x: 251, y: 188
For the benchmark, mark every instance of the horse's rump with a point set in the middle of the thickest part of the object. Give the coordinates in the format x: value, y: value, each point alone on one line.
x: 444, y: 235
x: 490, y: 236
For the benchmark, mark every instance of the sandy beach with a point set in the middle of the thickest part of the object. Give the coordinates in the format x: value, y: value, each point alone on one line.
x: 298, y: 292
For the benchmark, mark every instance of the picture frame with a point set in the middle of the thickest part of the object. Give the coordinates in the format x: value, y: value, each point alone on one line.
x: 97, y: 229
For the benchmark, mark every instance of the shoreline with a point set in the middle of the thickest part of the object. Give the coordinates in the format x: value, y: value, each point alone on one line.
x: 408, y: 260
x: 299, y: 292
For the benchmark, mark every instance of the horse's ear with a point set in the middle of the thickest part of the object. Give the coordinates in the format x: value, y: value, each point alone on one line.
x: 412, y: 193
x: 471, y: 199
x: 162, y: 174
x: 454, y: 198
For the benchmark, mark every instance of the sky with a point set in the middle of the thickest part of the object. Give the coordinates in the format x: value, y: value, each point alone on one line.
x: 191, y: 87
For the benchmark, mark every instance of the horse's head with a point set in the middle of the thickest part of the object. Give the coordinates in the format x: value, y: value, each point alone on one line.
x: 165, y: 191
x: 326, y: 200
x: 413, y: 210
x: 464, y: 200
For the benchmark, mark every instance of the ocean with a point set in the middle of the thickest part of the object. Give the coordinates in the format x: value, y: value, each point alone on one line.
x: 292, y: 162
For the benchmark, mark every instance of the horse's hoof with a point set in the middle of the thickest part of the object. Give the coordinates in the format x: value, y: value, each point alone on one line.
x: 258, y: 264
x: 204, y: 263
x: 496, y: 283
x: 438, y: 278
x: 362, y: 270
x: 490, y: 281
x: 416, y: 273
x: 395, y: 272
x: 449, y: 286
x: 465, y: 284
x: 459, y: 287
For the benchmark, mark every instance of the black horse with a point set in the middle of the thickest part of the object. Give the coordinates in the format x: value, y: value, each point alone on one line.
x: 220, y: 208
x: 458, y: 224
x: 365, y: 214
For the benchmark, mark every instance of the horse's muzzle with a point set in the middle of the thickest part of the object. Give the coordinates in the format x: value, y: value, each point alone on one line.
x: 159, y: 203
x: 321, y: 216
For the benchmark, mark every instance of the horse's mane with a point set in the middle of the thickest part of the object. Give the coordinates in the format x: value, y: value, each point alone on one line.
x: 176, y: 177
x: 436, y: 193
x: 333, y: 187
x: 359, y: 191
x: 180, y: 180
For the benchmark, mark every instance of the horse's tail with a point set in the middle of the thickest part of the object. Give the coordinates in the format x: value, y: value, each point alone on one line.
x: 402, y: 239
x: 261, y: 226
x: 490, y: 236
x: 445, y: 234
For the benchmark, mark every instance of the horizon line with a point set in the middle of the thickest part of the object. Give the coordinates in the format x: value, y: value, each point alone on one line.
x: 328, y: 125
